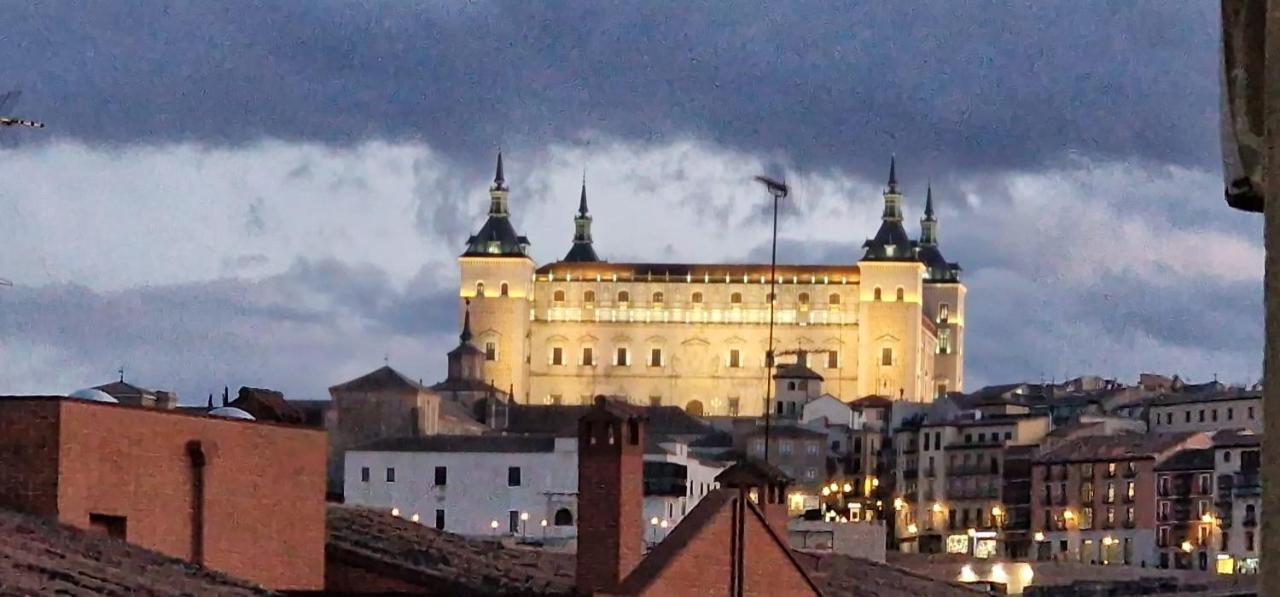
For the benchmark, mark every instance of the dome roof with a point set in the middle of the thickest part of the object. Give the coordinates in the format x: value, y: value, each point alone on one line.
x: 231, y: 412
x: 93, y: 395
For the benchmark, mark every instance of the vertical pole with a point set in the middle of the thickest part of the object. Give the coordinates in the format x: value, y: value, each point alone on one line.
x: 768, y: 354
x: 1271, y: 297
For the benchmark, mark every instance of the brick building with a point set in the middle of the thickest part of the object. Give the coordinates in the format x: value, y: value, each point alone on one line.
x: 1092, y: 497
x: 239, y: 497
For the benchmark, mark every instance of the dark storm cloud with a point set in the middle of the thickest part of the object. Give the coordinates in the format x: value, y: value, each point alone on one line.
x: 289, y: 332
x: 974, y: 85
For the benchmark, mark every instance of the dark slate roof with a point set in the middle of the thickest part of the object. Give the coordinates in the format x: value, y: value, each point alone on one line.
x: 838, y: 574
x: 1206, y: 395
x: 441, y: 563
x: 872, y: 401
x: 467, y: 385
x: 562, y: 420
x: 497, y: 238
x: 749, y: 471
x: 581, y: 252
x: 796, y: 371
x: 463, y: 443
x: 1188, y: 460
x: 938, y: 268
x: 891, y: 232
x: 41, y: 557
x: 379, y: 380
x: 1236, y: 438
x: 121, y: 389
x: 1122, y: 446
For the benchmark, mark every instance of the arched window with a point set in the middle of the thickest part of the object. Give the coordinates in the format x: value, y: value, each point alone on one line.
x: 736, y: 298
x: 901, y: 294
x: 558, y: 296
x: 624, y: 296
x: 589, y: 296
x: 563, y: 518
x: 791, y: 385
x: 803, y: 298
x: 479, y: 288
x: 696, y: 298
x: 694, y: 408
x: 876, y: 294
x: 503, y: 290
x: 657, y: 298
x: 834, y: 299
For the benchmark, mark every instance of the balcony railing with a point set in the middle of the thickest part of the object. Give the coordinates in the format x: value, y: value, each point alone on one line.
x: 1250, y: 521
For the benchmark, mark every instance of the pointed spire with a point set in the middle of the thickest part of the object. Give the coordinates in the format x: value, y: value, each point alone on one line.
x: 582, y: 201
x: 465, y: 336
x: 498, y: 179
x: 928, y: 202
x: 893, y: 174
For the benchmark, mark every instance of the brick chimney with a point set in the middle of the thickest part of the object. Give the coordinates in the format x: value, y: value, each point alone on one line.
x: 610, y: 494
x: 763, y: 484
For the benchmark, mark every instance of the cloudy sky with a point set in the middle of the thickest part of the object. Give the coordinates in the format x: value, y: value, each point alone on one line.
x: 273, y: 194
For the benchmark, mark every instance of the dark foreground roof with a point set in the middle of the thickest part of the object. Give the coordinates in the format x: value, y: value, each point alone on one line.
x: 443, y: 563
x: 838, y: 574
x: 463, y: 443
x: 41, y: 557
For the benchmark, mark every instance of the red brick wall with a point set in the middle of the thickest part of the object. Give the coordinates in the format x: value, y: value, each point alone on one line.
x: 264, y: 511
x: 29, y: 456
x: 705, y: 566
x: 610, y: 504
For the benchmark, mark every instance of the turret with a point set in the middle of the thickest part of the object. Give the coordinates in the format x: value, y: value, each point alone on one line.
x: 582, y: 250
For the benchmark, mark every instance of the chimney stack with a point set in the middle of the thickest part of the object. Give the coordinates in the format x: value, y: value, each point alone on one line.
x: 610, y: 494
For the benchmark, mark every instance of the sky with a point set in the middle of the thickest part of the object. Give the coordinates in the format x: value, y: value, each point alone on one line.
x: 274, y: 194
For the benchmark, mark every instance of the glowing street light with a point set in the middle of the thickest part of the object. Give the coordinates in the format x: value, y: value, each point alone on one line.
x: 414, y: 517
x: 937, y: 508
x: 493, y: 524
x: 996, y: 511
x: 1186, y: 546
x: 1207, y: 518
x: 395, y: 512
x: 912, y: 529
x: 826, y: 491
x: 898, y: 504
x: 848, y: 488
x: 1039, y: 537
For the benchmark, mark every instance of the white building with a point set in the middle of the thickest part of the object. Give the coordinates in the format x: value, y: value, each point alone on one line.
x: 521, y: 486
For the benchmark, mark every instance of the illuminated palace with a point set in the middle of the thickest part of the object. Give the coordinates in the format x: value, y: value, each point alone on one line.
x: 695, y: 335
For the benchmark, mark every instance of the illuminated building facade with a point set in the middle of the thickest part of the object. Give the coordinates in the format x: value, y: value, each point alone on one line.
x: 696, y: 335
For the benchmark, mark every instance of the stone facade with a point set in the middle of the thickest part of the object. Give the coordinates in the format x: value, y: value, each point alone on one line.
x: 696, y: 335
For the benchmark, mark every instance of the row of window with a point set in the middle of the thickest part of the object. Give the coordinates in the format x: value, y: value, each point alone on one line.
x: 1230, y: 414
x: 657, y: 357
x: 1059, y: 472
x: 441, y: 475
x: 1057, y: 520
x: 933, y: 440
x: 1086, y: 493
x: 787, y: 447
x: 696, y: 298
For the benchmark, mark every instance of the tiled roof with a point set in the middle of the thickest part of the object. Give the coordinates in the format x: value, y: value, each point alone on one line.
x: 267, y: 405
x: 796, y: 371
x: 379, y: 380
x: 41, y: 557
x: 121, y: 389
x: 838, y: 574
x: 1114, y: 447
x: 749, y: 471
x: 1188, y: 460
x: 463, y: 443
x: 872, y: 401
x: 1236, y: 438
x: 443, y: 563
x: 1188, y: 397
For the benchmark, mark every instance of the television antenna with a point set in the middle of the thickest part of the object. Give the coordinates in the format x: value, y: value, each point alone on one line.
x: 778, y: 190
x: 6, y: 102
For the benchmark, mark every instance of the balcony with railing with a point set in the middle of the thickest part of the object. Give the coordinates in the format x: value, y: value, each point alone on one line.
x: 1247, y: 485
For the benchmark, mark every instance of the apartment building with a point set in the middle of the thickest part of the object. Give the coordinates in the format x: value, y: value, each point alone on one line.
x: 1231, y: 408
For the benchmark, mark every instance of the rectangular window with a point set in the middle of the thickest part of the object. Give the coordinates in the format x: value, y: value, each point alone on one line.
x: 655, y: 401
x: 1086, y: 470
x: 1250, y: 413
x: 886, y: 357
x: 1231, y: 413
x: 1187, y: 416
x: 812, y: 448
x: 735, y: 358
x: 655, y: 357
x: 555, y: 399
x: 1202, y: 415
x: 490, y: 351
x: 439, y: 519
x: 1214, y: 415
x: 622, y: 358
x: 364, y: 474
x: 391, y: 475
x: 733, y: 406
x: 944, y: 312
x: 944, y: 341
x: 1130, y: 491
x: 833, y: 360
x: 513, y: 476
x: 442, y: 476
x: 1086, y: 517
x: 557, y: 355
x: 588, y: 358
x: 513, y: 521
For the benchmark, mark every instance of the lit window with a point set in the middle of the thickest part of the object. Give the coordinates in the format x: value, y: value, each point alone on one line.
x: 479, y: 288
x: 558, y: 296
x: 503, y: 289
x: 624, y: 296
x: 944, y: 313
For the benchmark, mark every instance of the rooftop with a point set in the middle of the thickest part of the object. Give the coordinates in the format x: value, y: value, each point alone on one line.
x: 562, y: 420
x: 463, y: 443
x: 440, y: 562
x: 698, y: 272
x: 41, y: 557
x: 1191, y: 397
x: 1237, y: 438
x: 381, y: 379
x: 1121, y: 446
x: 1188, y: 460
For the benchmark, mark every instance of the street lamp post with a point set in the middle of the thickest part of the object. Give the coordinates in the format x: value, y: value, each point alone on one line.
x: 778, y: 190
